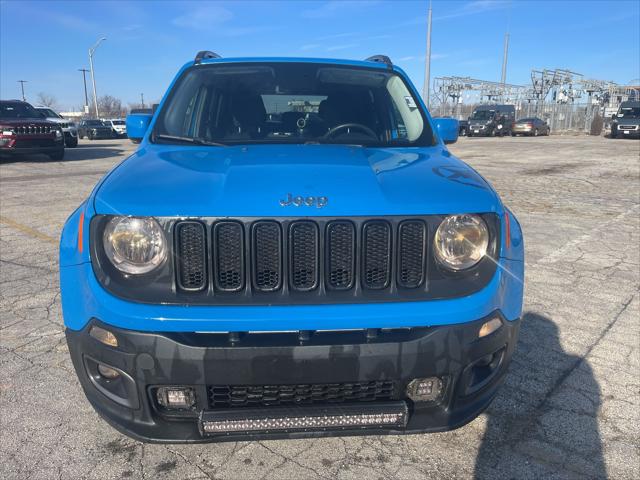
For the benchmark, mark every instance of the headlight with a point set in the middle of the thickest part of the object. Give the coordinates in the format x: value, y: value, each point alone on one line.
x: 134, y: 245
x: 461, y: 241
x: 58, y: 133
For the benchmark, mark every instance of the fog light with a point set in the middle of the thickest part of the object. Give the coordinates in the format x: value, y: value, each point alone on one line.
x: 424, y: 389
x: 103, y: 336
x: 489, y: 327
x: 177, y: 398
x: 107, y: 372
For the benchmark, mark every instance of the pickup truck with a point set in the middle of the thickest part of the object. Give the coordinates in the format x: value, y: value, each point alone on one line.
x: 292, y: 251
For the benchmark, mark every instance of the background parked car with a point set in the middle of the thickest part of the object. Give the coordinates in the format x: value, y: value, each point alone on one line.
x: 532, y: 126
x: 491, y: 121
x: 94, y: 129
x: 118, y: 127
x: 24, y: 131
x: 68, y: 128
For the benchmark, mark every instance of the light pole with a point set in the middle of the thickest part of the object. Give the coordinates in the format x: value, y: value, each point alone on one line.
x: 86, y: 97
x: 22, y: 82
x: 427, y: 67
x: 93, y: 79
x: 142, y: 99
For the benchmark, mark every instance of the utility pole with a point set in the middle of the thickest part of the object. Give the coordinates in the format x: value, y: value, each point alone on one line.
x: 427, y: 68
x: 22, y: 82
x: 505, y: 53
x: 503, y: 79
x: 93, y: 79
x: 142, y: 99
x: 86, y: 97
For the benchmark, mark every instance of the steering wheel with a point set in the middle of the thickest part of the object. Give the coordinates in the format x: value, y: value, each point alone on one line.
x: 357, y: 126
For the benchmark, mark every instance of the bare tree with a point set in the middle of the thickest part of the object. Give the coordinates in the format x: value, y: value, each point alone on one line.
x: 110, y: 106
x: 47, y: 100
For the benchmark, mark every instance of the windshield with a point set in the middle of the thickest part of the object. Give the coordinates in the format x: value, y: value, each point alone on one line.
x: 629, y: 112
x: 117, y: 122
x: 483, y: 115
x: 48, y: 112
x: 18, y: 110
x: 292, y: 103
x: 95, y: 123
x: 526, y: 120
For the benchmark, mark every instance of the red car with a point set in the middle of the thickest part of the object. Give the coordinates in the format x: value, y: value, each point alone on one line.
x: 24, y: 131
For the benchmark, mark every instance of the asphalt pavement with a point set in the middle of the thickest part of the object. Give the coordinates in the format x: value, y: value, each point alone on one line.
x: 569, y: 409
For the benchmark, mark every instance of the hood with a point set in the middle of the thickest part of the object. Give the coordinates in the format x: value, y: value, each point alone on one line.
x: 237, y: 181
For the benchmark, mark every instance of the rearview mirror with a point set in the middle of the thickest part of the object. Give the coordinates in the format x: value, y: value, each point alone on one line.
x: 447, y: 129
x: 137, y: 126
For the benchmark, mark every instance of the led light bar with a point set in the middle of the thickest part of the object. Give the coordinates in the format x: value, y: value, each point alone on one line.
x: 392, y: 414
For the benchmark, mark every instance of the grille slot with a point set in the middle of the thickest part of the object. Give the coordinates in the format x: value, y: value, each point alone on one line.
x: 341, y: 239
x: 228, y: 396
x: 411, y: 254
x: 303, y: 251
x: 191, y: 256
x: 376, y: 255
x: 267, y: 256
x: 228, y: 256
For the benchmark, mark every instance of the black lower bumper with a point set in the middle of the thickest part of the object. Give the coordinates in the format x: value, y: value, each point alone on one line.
x: 471, y: 370
x: 31, y: 150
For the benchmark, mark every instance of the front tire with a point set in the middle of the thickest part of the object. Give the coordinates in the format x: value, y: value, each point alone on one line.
x: 535, y: 132
x: 72, y: 142
x: 57, y: 156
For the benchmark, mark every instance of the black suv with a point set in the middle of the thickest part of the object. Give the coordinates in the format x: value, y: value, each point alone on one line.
x: 94, y: 129
x: 23, y: 130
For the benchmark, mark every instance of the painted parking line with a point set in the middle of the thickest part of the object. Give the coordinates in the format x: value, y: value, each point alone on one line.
x: 28, y: 230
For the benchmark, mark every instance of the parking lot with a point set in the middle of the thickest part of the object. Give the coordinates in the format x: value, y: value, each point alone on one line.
x: 570, y: 407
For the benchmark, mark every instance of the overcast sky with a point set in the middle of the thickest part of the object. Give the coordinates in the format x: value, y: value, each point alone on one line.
x: 45, y: 42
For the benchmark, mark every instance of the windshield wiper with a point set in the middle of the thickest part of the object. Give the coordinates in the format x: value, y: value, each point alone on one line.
x: 193, y: 140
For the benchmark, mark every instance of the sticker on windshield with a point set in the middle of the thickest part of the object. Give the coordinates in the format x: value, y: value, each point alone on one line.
x: 411, y: 103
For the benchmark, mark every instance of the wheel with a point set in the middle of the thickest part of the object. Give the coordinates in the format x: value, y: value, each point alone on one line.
x: 57, y: 155
x: 535, y: 132
x: 90, y: 136
x: 71, y: 143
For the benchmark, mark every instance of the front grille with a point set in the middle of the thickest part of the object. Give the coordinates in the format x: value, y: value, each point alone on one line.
x: 229, y: 256
x: 191, y: 256
x: 411, y: 254
x: 341, y: 238
x: 303, y: 241
x: 377, y: 255
x: 267, y: 256
x: 32, y: 129
x: 628, y: 127
x: 302, y: 256
x: 230, y: 396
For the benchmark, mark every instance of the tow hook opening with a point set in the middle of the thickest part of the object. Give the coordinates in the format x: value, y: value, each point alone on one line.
x: 482, y: 371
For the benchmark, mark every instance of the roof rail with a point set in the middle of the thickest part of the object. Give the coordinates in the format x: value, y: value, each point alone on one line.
x: 204, y: 54
x: 380, y: 59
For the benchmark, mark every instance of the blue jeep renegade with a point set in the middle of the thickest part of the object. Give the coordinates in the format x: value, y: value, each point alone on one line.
x: 292, y: 251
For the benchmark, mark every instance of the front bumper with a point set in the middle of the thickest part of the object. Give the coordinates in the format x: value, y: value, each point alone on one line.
x: 70, y: 132
x: 31, y: 150
x: 200, y: 360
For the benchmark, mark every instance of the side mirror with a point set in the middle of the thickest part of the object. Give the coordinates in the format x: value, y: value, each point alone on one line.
x: 137, y: 126
x: 447, y: 129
